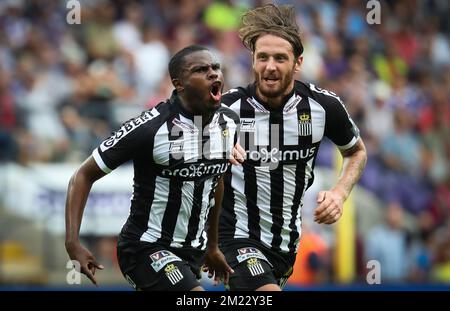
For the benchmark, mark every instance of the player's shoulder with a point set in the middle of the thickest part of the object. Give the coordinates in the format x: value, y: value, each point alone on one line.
x: 233, y: 95
x: 147, y: 119
x: 322, y: 96
x: 229, y: 113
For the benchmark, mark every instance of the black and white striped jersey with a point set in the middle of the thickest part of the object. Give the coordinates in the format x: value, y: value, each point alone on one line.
x: 177, y: 164
x: 263, y: 197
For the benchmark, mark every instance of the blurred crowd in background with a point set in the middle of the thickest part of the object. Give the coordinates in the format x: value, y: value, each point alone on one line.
x: 64, y: 88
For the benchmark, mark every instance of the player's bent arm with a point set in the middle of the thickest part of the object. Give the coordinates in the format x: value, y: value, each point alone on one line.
x: 354, y: 162
x: 331, y: 203
x: 77, y: 193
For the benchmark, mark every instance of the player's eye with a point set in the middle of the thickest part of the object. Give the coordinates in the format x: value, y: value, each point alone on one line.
x: 201, y: 69
x: 262, y: 57
x: 280, y: 58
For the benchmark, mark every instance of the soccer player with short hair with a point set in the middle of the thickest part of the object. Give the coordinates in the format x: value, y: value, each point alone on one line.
x: 179, y: 150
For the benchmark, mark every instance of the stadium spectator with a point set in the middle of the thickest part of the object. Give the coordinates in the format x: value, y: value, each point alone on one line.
x: 387, y: 243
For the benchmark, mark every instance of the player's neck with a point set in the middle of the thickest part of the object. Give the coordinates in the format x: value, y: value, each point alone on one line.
x: 191, y: 113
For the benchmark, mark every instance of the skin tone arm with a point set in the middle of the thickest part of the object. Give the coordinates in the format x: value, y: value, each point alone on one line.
x: 330, y: 203
x: 215, y: 262
x: 77, y: 193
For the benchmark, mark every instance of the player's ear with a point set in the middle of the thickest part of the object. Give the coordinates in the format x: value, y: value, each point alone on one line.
x: 298, y: 64
x: 178, y: 84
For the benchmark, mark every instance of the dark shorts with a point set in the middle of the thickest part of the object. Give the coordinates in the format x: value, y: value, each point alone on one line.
x: 256, y: 265
x: 154, y: 267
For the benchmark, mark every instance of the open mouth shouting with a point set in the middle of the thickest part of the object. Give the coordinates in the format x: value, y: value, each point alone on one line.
x: 216, y: 90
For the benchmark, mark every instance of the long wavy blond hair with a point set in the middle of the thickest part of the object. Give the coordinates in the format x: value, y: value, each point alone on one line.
x: 271, y: 19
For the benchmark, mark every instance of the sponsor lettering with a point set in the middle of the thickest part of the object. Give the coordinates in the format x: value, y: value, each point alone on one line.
x: 275, y: 155
x: 196, y: 170
x: 127, y: 128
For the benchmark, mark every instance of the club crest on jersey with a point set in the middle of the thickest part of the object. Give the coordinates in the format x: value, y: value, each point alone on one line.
x: 173, y: 274
x: 304, y: 125
x: 255, y: 267
x: 162, y: 258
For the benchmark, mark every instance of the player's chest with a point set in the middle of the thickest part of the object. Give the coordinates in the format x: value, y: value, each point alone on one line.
x: 182, y: 141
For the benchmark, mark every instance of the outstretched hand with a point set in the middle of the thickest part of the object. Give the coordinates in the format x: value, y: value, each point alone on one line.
x: 88, y: 264
x: 217, y: 266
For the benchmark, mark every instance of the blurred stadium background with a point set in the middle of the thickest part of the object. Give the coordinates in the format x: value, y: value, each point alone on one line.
x: 63, y: 88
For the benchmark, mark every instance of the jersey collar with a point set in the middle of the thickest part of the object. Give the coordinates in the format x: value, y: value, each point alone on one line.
x: 175, y: 101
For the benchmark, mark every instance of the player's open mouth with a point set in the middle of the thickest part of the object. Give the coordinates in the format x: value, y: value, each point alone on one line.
x: 271, y: 80
x: 216, y: 92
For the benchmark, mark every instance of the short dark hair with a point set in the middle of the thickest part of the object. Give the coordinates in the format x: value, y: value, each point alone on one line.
x: 177, y: 61
x: 279, y: 21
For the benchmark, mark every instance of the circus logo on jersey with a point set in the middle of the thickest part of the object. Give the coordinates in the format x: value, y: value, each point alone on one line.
x: 304, y: 125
